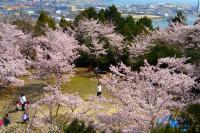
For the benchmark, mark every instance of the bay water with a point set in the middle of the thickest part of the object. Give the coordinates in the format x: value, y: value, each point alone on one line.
x: 162, y: 23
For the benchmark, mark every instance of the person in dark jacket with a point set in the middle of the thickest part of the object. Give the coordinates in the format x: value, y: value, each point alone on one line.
x: 6, y: 120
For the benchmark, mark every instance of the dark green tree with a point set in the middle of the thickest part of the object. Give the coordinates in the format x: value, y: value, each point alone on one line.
x: 155, y: 53
x: 101, y: 15
x: 194, y: 54
x: 89, y: 13
x: 146, y: 22
x: 51, y: 23
x: 38, y: 31
x: 179, y: 18
x: 42, y: 19
x: 124, y: 25
x: 43, y: 22
x: 64, y: 23
x: 77, y: 126
x: 112, y: 14
x: 127, y: 27
x: 25, y: 26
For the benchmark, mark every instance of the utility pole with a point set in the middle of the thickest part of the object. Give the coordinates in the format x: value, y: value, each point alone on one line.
x: 198, y: 8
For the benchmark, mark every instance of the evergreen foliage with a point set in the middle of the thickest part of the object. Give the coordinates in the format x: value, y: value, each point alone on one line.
x: 190, y: 119
x: 25, y: 26
x: 127, y: 26
x: 157, y: 52
x: 89, y: 13
x: 77, y: 126
x: 194, y: 54
x: 64, y: 23
x: 44, y: 21
x: 179, y: 18
x: 162, y: 50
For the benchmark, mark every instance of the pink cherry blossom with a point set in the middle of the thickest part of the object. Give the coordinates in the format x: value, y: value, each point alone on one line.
x: 97, y: 30
x: 56, y: 53
x: 12, y: 62
x: 185, y: 36
x: 147, y: 95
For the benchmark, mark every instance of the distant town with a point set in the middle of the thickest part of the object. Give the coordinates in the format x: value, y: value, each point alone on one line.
x: 70, y: 8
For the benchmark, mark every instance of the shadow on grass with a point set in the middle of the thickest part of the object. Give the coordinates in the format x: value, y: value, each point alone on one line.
x: 13, y: 111
x: 87, y: 74
x: 31, y: 91
x: 21, y: 122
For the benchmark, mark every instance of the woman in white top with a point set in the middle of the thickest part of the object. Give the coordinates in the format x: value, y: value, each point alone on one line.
x: 23, y: 101
x: 99, y: 90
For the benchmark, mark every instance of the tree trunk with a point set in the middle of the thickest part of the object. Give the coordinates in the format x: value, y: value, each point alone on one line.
x: 51, y: 113
x: 57, y: 109
x: 34, y: 115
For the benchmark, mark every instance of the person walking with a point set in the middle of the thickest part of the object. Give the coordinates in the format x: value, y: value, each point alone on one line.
x: 23, y: 101
x: 99, y: 89
x: 6, y: 120
x: 25, y: 117
x: 1, y: 122
x: 17, y: 105
x: 96, y: 70
x: 27, y: 104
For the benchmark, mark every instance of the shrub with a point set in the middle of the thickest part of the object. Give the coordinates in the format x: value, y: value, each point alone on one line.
x: 159, y: 51
x: 77, y: 126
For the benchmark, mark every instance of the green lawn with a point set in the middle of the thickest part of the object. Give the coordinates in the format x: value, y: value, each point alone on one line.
x: 83, y: 82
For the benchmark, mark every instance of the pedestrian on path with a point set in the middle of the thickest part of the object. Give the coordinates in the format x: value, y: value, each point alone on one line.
x: 25, y: 117
x: 17, y: 105
x: 6, y: 120
x: 99, y: 89
x: 1, y: 121
x: 27, y: 104
x: 23, y: 101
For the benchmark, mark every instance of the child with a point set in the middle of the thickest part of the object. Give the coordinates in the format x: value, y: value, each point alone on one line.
x: 6, y: 120
x: 25, y: 117
x: 17, y: 105
x: 27, y: 105
x: 1, y: 121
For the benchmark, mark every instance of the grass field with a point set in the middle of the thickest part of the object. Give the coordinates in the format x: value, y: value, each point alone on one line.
x: 83, y: 82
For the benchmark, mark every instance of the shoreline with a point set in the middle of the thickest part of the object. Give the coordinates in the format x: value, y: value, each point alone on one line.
x: 138, y: 16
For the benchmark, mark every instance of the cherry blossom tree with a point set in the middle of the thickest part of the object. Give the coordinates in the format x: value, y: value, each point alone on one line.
x: 56, y: 53
x: 92, y: 29
x: 98, y: 32
x: 185, y: 36
x: 141, y: 45
x: 147, y: 95
x: 54, y: 97
x: 12, y: 62
x: 117, y: 43
x: 73, y: 108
